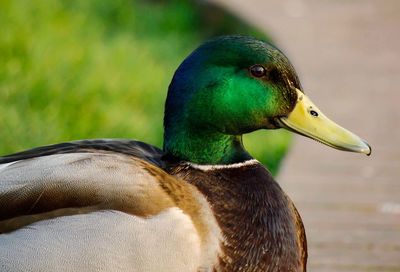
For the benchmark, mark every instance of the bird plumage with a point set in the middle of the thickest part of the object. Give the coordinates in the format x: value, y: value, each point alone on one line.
x: 200, y: 204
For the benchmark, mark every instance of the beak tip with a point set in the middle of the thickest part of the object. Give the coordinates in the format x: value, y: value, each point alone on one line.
x: 368, y: 149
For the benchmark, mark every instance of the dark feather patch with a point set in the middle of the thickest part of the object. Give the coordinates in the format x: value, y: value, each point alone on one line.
x: 262, y: 229
x: 133, y: 148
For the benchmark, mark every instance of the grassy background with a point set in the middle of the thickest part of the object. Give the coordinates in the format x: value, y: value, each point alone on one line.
x: 100, y: 69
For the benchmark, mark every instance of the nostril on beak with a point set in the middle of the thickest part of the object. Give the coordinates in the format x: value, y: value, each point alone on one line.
x: 314, y: 113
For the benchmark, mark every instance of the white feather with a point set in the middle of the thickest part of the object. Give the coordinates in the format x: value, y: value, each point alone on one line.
x: 104, y: 241
x: 5, y: 165
x: 210, y: 167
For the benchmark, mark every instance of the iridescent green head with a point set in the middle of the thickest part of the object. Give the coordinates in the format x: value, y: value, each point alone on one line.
x: 227, y: 87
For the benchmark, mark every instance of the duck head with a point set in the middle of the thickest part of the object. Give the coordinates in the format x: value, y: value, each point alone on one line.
x: 234, y: 85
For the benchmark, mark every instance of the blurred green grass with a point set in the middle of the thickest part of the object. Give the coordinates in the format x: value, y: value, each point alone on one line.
x: 100, y: 69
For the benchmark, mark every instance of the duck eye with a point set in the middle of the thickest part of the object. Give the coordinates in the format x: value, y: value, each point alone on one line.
x: 257, y: 71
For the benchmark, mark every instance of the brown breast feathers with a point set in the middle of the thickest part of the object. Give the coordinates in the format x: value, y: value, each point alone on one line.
x: 261, y: 228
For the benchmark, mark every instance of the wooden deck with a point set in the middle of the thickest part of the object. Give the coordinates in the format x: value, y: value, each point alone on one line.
x: 347, y: 54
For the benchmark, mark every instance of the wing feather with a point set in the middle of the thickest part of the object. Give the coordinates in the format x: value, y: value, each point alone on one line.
x: 79, y: 180
x: 132, y: 148
x: 75, y: 208
x: 104, y: 241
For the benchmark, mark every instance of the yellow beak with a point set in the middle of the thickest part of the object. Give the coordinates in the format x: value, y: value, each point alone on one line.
x: 306, y: 119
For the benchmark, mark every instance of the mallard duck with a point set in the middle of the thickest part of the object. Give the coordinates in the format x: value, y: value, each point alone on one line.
x: 202, y: 203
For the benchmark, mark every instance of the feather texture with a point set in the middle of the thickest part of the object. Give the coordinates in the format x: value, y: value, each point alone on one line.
x: 68, y: 198
x: 104, y: 241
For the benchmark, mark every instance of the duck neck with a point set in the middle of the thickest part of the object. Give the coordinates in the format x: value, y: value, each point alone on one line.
x: 204, y: 146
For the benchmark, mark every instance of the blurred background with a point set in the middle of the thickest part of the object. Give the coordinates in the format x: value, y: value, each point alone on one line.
x: 100, y: 69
